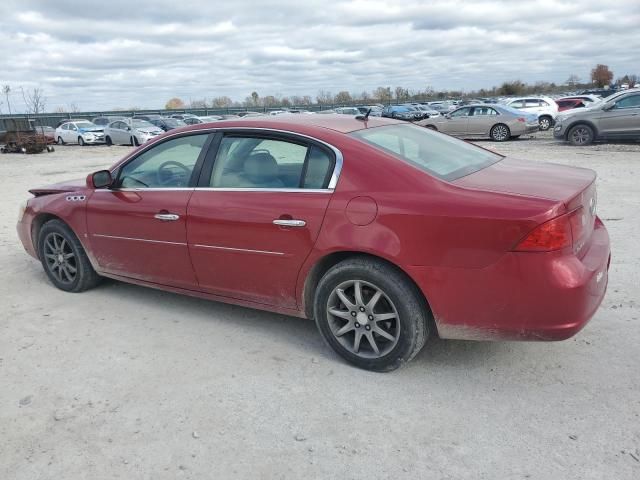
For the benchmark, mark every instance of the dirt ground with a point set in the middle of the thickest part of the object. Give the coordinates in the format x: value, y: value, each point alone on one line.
x: 128, y: 382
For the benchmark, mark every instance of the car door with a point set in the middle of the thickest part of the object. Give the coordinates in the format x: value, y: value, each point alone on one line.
x: 121, y: 133
x: 137, y: 228
x: 457, y: 122
x: 69, y: 135
x: 623, y: 119
x: 257, y: 212
x: 481, y: 120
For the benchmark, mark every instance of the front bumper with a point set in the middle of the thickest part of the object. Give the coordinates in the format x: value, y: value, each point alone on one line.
x: 524, y: 296
x: 93, y: 139
x: 559, y: 132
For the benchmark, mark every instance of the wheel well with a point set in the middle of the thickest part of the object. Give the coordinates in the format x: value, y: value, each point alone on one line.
x: 329, y: 261
x: 36, y: 226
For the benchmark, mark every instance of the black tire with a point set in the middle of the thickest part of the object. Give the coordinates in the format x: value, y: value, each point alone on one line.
x: 580, y: 135
x: 60, y: 141
x: 500, y: 133
x: 544, y: 122
x: 136, y: 143
x: 431, y: 127
x: 84, y: 277
x: 108, y: 141
x: 81, y: 141
x: 409, y: 328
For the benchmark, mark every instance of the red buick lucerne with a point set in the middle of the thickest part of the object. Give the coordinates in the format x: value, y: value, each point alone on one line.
x: 381, y: 231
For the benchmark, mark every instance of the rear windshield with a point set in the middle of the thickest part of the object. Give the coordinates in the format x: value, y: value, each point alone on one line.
x: 440, y: 155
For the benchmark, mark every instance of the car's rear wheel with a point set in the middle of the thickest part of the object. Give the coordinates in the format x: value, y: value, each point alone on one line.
x: 371, y: 314
x: 500, y: 132
x: 81, y: 141
x: 544, y: 123
x: 580, y: 135
x: 431, y: 127
x: 63, y: 258
x: 135, y: 142
x: 60, y: 141
x: 108, y: 141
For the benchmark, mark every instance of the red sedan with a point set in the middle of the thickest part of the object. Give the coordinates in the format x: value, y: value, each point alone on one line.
x: 382, y: 232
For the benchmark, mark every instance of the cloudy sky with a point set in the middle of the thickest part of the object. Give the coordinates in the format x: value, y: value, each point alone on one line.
x: 116, y: 53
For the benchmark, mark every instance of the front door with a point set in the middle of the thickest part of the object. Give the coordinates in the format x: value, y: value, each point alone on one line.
x: 623, y: 119
x: 255, y: 217
x: 137, y: 228
x: 457, y: 122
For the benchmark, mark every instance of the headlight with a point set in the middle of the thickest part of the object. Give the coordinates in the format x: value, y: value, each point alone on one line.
x: 22, y: 208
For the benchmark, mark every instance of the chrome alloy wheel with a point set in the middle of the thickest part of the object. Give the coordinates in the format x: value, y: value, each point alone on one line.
x: 61, y: 261
x: 500, y: 133
x: 363, y: 319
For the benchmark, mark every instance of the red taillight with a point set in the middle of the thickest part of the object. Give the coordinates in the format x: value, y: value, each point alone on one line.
x: 521, y: 119
x: 555, y: 234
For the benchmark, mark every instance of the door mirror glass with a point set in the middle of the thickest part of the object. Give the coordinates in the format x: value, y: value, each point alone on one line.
x: 102, y: 179
x: 447, y: 115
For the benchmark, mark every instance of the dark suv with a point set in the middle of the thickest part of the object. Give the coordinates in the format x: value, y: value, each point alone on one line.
x: 616, y: 117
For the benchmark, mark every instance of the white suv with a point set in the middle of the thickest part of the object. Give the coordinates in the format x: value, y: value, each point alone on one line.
x: 545, y: 107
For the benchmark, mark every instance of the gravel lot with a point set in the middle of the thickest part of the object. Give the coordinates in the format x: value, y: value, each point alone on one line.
x: 128, y: 382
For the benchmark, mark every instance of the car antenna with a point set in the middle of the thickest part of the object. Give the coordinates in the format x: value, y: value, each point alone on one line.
x: 364, y: 117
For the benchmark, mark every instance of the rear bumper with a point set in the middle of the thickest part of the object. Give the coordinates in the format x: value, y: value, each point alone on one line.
x: 524, y: 296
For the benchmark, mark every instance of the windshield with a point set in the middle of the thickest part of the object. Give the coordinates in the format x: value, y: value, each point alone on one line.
x: 85, y: 125
x: 173, y: 122
x: 440, y: 155
x: 143, y: 124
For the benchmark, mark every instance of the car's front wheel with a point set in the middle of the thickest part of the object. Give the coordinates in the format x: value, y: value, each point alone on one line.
x: 500, y: 132
x: 81, y: 141
x: 108, y: 141
x: 60, y: 141
x: 580, y: 135
x: 63, y: 258
x: 371, y: 314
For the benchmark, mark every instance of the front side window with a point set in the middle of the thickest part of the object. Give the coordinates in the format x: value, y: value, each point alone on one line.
x: 632, y: 101
x: 461, y: 112
x: 266, y: 163
x: 169, y: 164
x: 440, y: 155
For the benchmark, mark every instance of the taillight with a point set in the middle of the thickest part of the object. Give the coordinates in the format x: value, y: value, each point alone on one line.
x: 555, y: 234
x: 521, y: 119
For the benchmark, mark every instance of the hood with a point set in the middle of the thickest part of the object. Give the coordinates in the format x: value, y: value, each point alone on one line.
x: 68, y: 186
x: 532, y: 179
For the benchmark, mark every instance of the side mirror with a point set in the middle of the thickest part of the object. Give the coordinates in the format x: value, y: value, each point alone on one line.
x: 447, y: 116
x: 608, y: 106
x: 100, y: 179
x: 128, y: 129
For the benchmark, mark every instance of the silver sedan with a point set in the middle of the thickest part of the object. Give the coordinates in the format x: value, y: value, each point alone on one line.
x: 497, y: 122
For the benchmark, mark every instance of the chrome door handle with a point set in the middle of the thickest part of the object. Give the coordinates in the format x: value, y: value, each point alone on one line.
x: 290, y: 223
x: 167, y: 217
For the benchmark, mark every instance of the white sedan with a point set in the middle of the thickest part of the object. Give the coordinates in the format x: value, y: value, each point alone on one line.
x: 81, y: 132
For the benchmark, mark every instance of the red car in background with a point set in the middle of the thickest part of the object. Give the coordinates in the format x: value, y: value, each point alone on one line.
x: 382, y: 232
x: 569, y: 103
x: 49, y: 133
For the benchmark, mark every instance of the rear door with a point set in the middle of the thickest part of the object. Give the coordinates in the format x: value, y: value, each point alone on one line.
x: 137, y: 229
x: 257, y: 212
x: 481, y: 120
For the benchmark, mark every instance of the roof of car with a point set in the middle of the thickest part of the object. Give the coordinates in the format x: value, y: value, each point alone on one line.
x: 336, y: 122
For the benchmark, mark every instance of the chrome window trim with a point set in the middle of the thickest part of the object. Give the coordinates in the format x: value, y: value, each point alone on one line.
x: 333, y: 182
x: 253, y: 189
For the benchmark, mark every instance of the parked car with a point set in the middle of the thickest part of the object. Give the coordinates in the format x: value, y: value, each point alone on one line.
x: 166, y: 123
x: 569, y: 103
x: 617, y: 117
x: 182, y: 116
x: 105, y: 120
x: 376, y: 111
x: 401, y: 112
x: 148, y: 117
x: 348, y: 111
x: 587, y: 99
x: 497, y: 122
x: 382, y: 232
x: 130, y: 132
x: 427, y: 111
x: 49, y: 133
x: 82, y: 132
x: 546, y: 108
x: 204, y: 119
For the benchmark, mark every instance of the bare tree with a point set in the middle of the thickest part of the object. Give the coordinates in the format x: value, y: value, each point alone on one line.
x: 222, y: 102
x: 73, y: 108
x: 324, y: 97
x: 6, y: 90
x: 343, y: 97
x: 34, y: 100
x: 573, y: 80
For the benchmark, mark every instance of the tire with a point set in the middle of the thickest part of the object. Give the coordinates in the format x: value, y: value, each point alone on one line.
x: 580, y: 135
x: 500, y: 133
x: 60, y: 141
x: 52, y: 249
x: 108, y: 141
x: 431, y: 127
x: 81, y: 141
x: 544, y: 123
x: 404, y: 315
x: 136, y: 143
x: 50, y: 149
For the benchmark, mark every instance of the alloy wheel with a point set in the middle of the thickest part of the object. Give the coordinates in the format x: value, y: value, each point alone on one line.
x: 581, y: 136
x: 60, y: 258
x: 545, y: 123
x: 500, y: 133
x: 363, y: 319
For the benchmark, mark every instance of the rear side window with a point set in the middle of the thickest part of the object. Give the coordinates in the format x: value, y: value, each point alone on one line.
x: 440, y: 155
x: 266, y: 163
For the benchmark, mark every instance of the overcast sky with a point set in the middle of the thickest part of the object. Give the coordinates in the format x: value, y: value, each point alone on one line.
x: 117, y: 53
